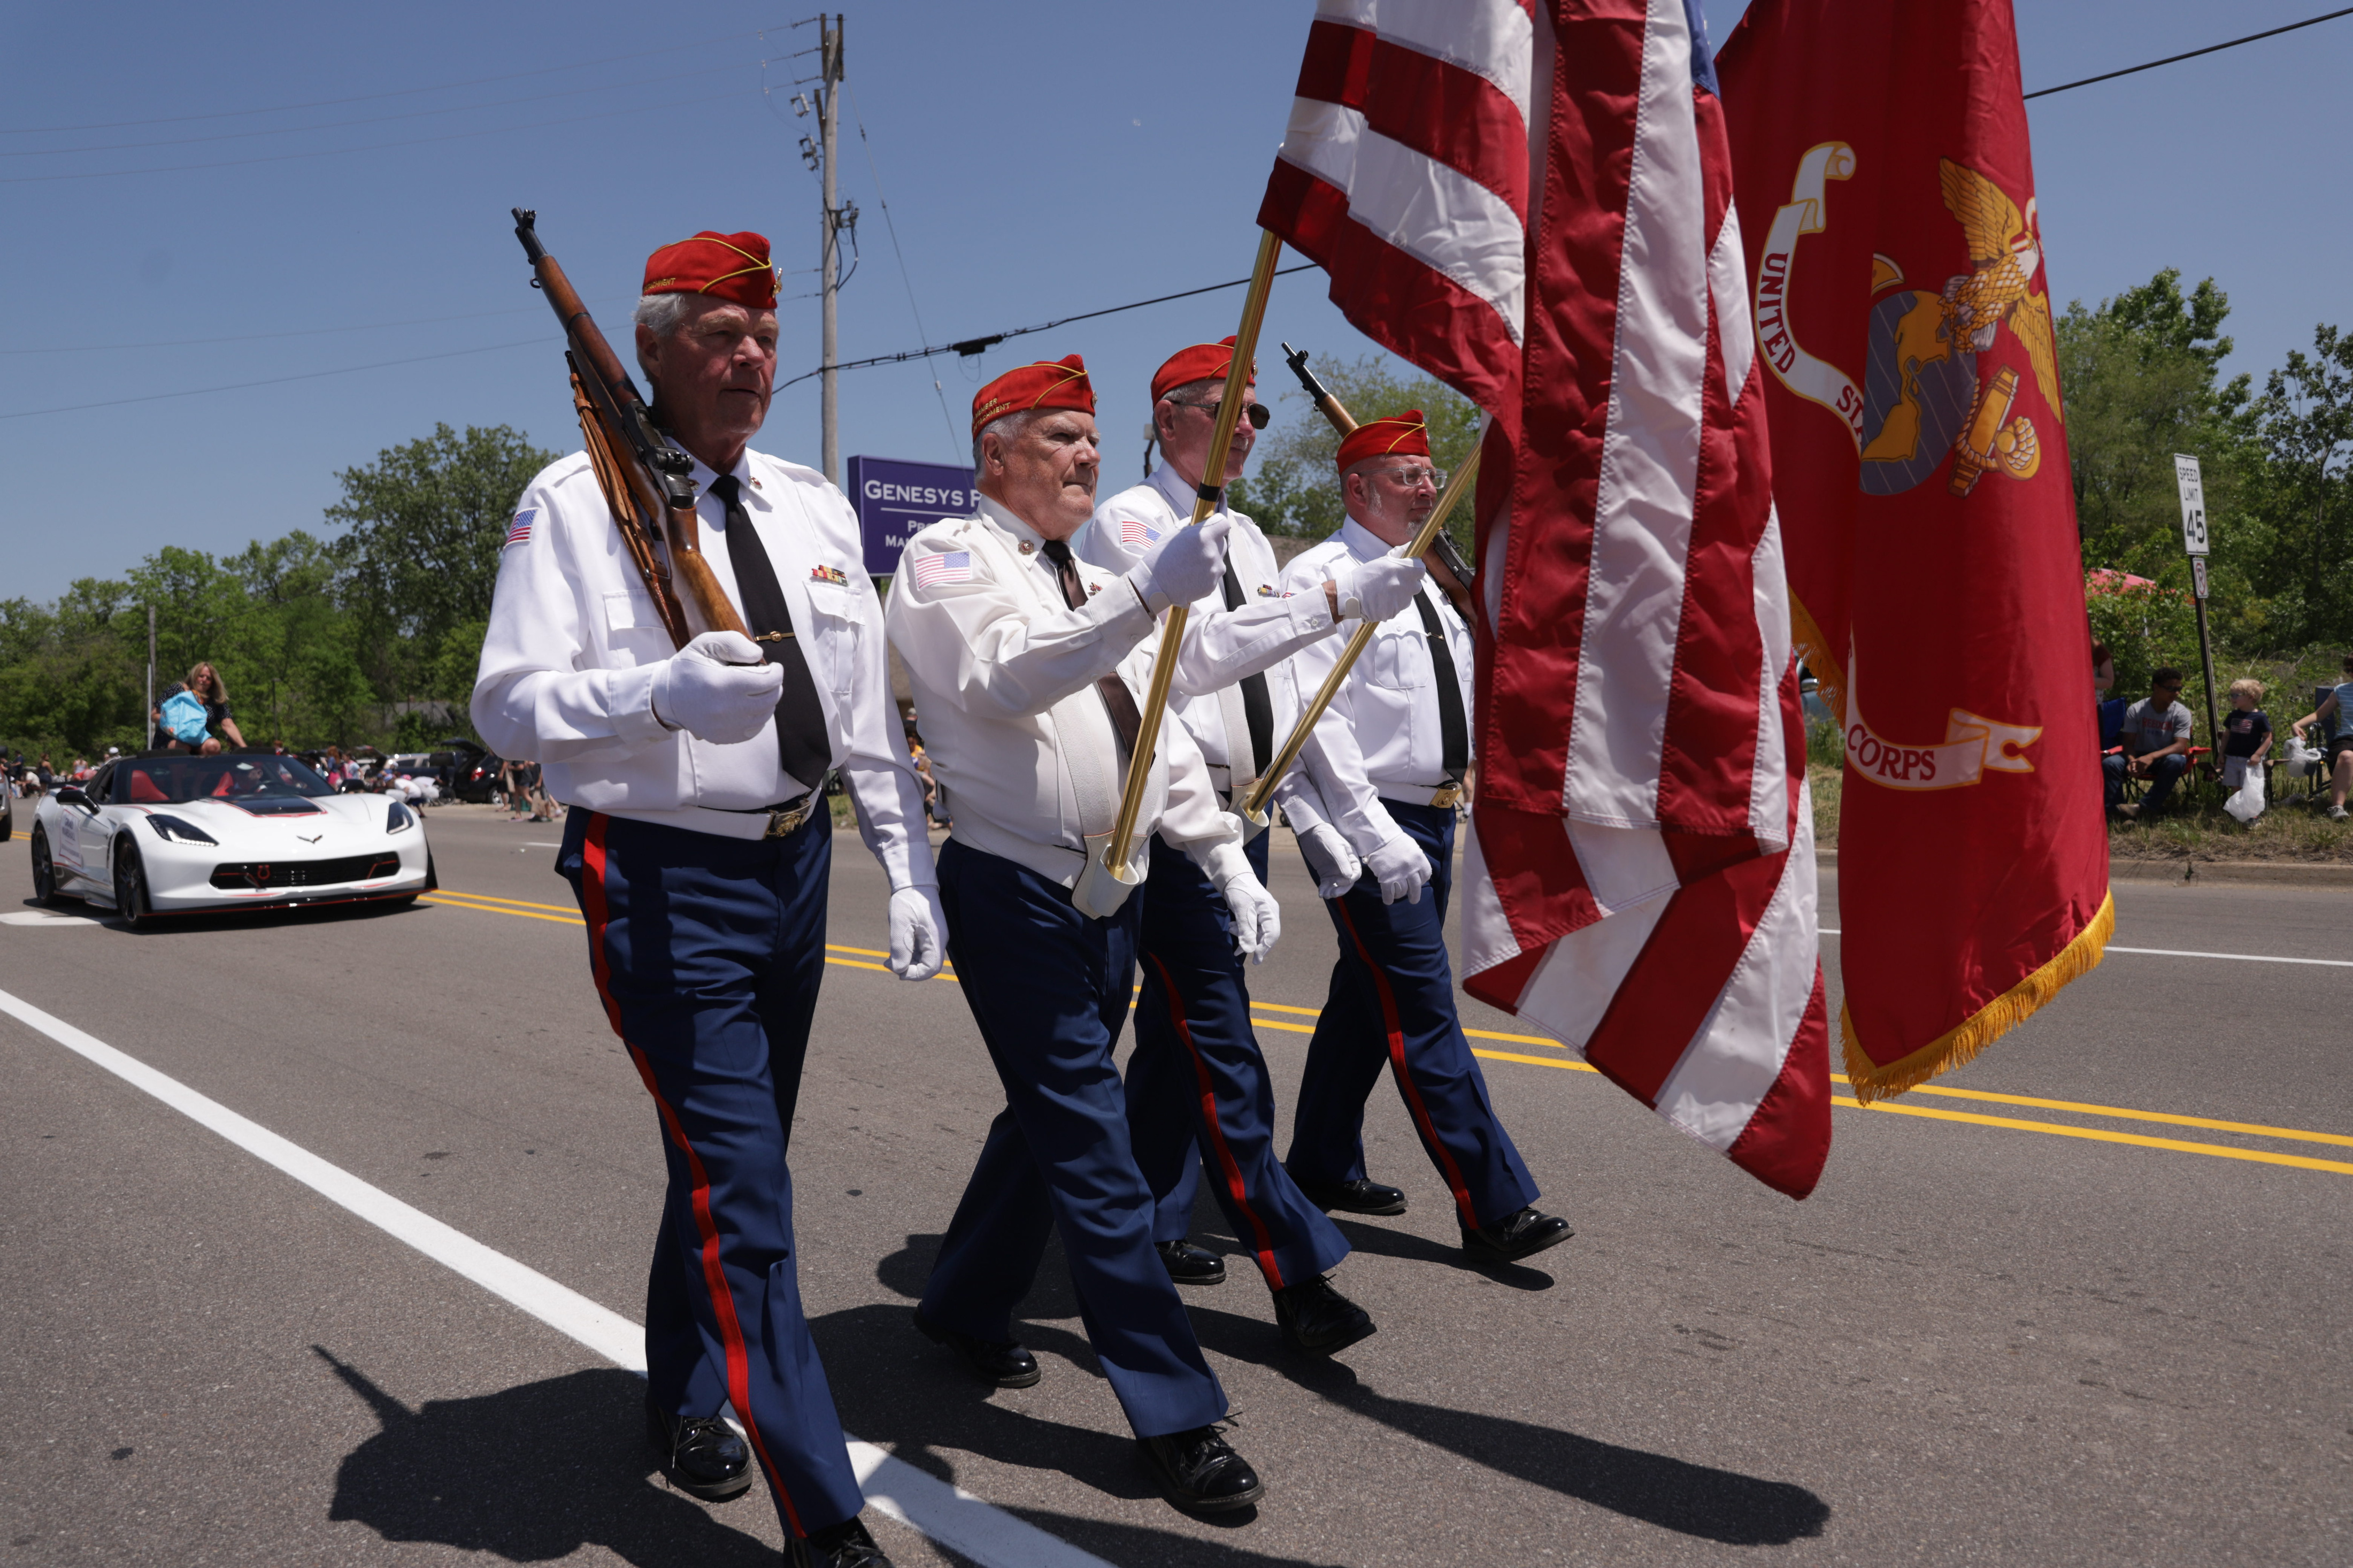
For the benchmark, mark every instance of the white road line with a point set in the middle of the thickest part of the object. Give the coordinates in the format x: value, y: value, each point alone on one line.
x: 2179, y: 953
x: 948, y: 1514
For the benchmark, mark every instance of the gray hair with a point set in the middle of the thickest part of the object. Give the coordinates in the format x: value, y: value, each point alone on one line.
x: 1008, y: 428
x: 662, y: 313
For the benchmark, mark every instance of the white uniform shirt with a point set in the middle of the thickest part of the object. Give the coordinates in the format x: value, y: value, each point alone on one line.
x: 567, y: 668
x: 1380, y: 736
x: 978, y: 614
x: 1221, y: 646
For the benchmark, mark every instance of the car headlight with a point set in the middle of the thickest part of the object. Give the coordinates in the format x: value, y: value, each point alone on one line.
x: 174, y: 830
x: 400, y: 820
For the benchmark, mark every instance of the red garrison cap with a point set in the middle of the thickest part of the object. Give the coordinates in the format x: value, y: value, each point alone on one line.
x: 1202, y: 362
x: 1047, y: 384
x: 733, y: 266
x: 1398, y: 435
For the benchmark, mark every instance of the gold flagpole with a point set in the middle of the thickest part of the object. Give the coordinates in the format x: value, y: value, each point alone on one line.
x: 1205, y: 505
x: 1254, y: 807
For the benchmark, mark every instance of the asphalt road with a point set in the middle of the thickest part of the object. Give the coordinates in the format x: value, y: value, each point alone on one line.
x: 1975, y: 1343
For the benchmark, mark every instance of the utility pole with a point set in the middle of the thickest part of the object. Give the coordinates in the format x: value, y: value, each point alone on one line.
x: 147, y: 735
x: 829, y: 110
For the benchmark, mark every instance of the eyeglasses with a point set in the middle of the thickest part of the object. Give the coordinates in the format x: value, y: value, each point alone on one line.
x: 1413, y: 478
x: 1257, y: 413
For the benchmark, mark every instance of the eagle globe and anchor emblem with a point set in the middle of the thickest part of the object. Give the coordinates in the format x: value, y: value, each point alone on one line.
x: 1924, y: 395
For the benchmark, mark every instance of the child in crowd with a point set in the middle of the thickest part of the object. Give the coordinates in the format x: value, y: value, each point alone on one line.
x: 2247, y: 733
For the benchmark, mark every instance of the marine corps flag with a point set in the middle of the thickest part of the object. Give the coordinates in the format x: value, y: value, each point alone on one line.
x: 1903, y: 315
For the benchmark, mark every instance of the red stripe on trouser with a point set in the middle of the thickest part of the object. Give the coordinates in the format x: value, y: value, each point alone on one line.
x: 1226, y: 1162
x: 1406, y: 1087
x: 714, y: 1276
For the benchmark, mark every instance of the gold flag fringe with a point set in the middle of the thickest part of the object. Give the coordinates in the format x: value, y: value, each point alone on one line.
x: 1989, y: 1024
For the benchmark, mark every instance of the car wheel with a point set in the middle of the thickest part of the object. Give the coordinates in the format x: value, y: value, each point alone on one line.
x: 44, y: 873
x: 130, y: 905
x: 432, y: 879
x: 7, y: 822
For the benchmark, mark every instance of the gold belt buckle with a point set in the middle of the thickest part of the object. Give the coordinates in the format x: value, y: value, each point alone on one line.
x: 788, y: 820
x: 1450, y: 795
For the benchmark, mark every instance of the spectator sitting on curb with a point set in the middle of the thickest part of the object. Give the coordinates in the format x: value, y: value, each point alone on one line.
x: 2336, y: 711
x: 2247, y: 733
x: 2157, y: 747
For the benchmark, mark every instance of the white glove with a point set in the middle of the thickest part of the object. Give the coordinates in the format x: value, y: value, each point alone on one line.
x: 1400, y: 868
x: 1186, y: 564
x: 717, y: 689
x: 1335, y: 865
x: 1377, y: 589
x: 918, y: 933
x: 1257, y: 918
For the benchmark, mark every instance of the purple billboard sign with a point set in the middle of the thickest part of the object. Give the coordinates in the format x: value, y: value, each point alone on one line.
x: 895, y: 501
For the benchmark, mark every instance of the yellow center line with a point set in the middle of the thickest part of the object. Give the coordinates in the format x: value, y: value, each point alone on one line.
x: 2104, y: 1135
x: 487, y: 904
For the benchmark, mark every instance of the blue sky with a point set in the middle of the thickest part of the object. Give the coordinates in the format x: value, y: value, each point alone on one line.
x: 1037, y: 160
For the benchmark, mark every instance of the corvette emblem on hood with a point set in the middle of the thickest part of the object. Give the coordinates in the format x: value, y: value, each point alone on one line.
x: 309, y: 837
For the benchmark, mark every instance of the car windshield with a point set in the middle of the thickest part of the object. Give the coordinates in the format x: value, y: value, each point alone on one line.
x: 165, y: 780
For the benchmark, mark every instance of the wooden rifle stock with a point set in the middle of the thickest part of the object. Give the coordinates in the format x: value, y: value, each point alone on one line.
x: 642, y: 469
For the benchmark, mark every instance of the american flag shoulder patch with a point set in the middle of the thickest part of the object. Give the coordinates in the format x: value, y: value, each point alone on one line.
x: 833, y: 574
x: 520, y: 530
x: 947, y: 566
x: 1135, y: 531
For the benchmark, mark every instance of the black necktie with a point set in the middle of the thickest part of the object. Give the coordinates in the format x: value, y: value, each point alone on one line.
x: 1453, y: 732
x: 1116, y: 698
x: 803, y: 745
x: 1256, y: 709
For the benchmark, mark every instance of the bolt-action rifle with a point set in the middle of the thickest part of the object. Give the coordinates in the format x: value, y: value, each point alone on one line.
x: 643, y: 473
x: 1454, y: 575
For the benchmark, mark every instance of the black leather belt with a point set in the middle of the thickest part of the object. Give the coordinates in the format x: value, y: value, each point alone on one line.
x: 782, y: 818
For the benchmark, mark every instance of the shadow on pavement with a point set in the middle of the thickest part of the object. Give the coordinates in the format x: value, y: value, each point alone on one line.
x: 1674, y: 1494
x: 530, y: 1474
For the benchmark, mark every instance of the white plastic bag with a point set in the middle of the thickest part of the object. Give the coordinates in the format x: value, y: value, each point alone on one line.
x: 2246, y: 802
x: 2301, y: 760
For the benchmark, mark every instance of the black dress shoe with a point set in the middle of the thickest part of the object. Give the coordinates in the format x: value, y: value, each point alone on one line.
x: 1362, y: 1195
x: 1191, y: 1265
x: 1515, y: 1237
x: 843, y: 1545
x: 1005, y: 1363
x: 701, y: 1455
x: 1318, y: 1319
x: 1199, y: 1470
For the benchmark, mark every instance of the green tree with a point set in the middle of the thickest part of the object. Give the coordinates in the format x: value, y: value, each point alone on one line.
x: 69, y: 683
x: 2141, y: 383
x: 2305, y: 421
x: 1297, y: 490
x: 425, y: 522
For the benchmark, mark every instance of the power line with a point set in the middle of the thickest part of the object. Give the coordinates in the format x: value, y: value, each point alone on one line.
x: 402, y: 92
x: 376, y: 146
x: 542, y: 341
x: 340, y: 124
x: 913, y: 308
x: 2210, y: 49
x: 971, y: 346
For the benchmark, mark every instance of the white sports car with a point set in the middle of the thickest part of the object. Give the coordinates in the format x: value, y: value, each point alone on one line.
x: 175, y: 832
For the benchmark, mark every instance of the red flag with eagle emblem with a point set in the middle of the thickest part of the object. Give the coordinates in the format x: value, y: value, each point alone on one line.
x: 1895, y: 265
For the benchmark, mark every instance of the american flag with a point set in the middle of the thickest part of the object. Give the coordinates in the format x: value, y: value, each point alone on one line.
x: 1640, y: 875
x: 520, y: 530
x: 946, y: 566
x: 1135, y: 531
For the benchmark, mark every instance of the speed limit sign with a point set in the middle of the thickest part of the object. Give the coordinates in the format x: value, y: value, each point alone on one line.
x: 2193, y: 504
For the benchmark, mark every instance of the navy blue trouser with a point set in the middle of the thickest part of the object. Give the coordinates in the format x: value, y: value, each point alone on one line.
x: 707, y: 954
x: 1048, y: 988
x: 1197, y: 1081
x: 1391, y: 1004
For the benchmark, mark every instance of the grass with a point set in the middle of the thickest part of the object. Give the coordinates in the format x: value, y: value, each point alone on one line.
x: 2195, y: 826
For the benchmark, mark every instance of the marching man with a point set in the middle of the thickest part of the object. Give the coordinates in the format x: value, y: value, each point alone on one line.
x: 1196, y: 1078
x: 698, y: 845
x: 1016, y: 649
x: 1389, y: 758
